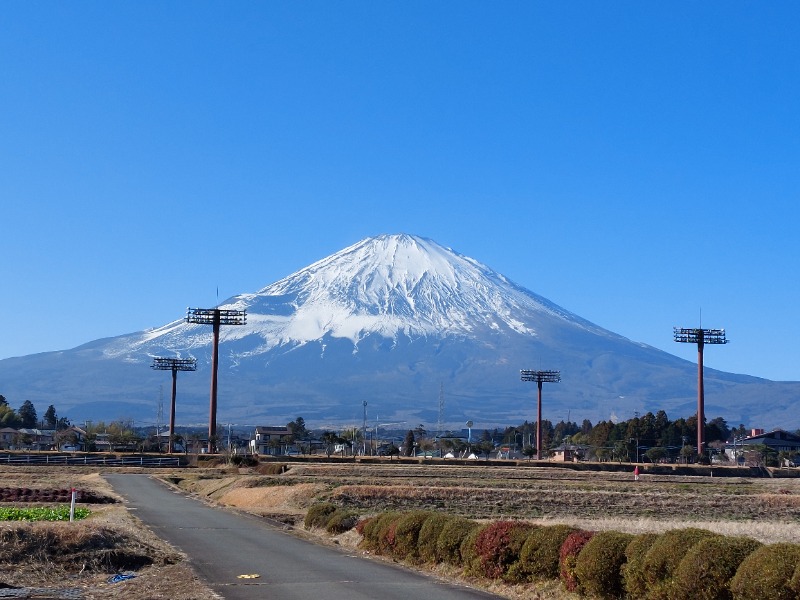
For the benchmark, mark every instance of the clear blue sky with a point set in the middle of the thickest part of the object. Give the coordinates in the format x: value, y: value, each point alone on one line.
x: 634, y: 162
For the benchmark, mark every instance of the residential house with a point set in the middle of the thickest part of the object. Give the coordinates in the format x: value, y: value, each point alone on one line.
x: 8, y: 438
x: 777, y: 441
x: 270, y: 440
x: 569, y: 453
x: 35, y: 439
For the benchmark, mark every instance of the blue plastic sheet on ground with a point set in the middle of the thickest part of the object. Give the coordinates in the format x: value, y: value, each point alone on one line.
x: 120, y: 577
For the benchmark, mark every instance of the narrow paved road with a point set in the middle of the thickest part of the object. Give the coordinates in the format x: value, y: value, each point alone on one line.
x: 222, y: 545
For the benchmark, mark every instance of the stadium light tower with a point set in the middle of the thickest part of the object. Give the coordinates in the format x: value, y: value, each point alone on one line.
x: 216, y: 317
x: 701, y: 337
x: 540, y: 377
x: 174, y: 365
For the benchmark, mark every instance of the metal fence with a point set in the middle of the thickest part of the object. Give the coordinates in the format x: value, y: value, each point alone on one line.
x: 86, y: 459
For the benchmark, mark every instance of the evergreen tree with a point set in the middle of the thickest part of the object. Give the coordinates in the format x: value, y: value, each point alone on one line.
x: 408, y: 443
x: 717, y: 430
x: 298, y: 429
x: 50, y: 418
x: 27, y: 415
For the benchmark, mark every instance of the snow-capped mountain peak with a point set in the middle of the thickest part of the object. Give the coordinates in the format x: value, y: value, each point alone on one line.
x: 393, y: 319
x: 390, y: 285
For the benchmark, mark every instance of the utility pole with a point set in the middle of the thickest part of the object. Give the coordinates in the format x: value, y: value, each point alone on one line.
x: 364, y: 428
x: 701, y: 337
x: 439, y: 425
x: 216, y: 317
x: 540, y: 377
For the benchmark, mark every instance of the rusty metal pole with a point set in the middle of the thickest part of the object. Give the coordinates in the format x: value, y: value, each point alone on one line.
x: 539, y: 377
x: 539, y: 422
x: 701, y: 337
x: 212, y: 411
x: 173, y: 364
x: 700, y: 398
x: 170, y: 448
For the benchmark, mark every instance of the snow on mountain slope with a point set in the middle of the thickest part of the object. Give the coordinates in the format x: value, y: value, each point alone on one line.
x: 387, y: 285
x: 391, y: 319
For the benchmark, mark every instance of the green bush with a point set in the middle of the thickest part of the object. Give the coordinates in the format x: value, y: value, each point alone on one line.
x: 448, y: 545
x: 429, y: 534
x: 767, y: 573
x: 407, y: 533
x: 598, y: 567
x: 664, y: 556
x: 497, y: 546
x: 794, y: 584
x: 341, y: 520
x: 538, y: 558
x: 632, y: 571
x: 469, y: 551
x: 318, y: 515
x: 568, y: 557
x: 707, y: 569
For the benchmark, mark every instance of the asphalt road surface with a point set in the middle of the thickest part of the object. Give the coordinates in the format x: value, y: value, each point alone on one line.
x: 222, y: 545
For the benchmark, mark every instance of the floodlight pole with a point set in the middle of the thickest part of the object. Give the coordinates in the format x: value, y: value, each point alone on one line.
x: 540, y: 377
x: 174, y: 365
x: 215, y: 317
x: 701, y: 337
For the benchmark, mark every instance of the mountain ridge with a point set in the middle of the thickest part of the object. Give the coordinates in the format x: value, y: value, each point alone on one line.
x: 390, y: 320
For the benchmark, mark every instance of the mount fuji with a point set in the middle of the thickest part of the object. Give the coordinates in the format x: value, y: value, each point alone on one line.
x: 401, y: 323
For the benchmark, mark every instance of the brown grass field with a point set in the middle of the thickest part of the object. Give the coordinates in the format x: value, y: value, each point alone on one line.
x: 82, y: 556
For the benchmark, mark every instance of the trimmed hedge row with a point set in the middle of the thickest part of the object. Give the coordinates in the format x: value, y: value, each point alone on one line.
x: 331, y: 518
x: 676, y: 565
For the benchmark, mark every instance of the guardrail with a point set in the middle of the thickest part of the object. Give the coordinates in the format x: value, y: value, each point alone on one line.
x: 85, y: 459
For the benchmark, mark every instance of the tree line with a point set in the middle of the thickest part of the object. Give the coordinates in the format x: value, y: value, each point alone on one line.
x: 26, y: 417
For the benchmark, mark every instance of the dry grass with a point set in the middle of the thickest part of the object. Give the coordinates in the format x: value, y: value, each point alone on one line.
x: 765, y: 509
x: 84, y: 555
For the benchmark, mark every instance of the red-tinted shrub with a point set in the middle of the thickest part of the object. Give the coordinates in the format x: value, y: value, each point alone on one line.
x: 497, y: 547
x: 568, y: 557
